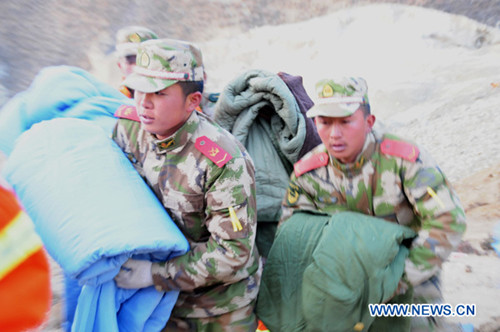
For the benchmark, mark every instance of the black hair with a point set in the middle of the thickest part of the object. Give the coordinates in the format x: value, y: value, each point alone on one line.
x: 366, y: 109
x: 131, y: 59
x: 191, y: 87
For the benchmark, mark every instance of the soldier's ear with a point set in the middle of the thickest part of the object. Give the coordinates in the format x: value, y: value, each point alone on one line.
x: 193, y: 100
x: 370, y: 121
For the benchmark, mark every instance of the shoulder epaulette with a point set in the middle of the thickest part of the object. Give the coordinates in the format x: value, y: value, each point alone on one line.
x: 400, y: 149
x: 127, y: 112
x: 212, y: 151
x: 313, y: 162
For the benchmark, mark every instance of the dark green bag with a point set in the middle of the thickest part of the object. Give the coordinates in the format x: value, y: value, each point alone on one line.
x: 323, y: 271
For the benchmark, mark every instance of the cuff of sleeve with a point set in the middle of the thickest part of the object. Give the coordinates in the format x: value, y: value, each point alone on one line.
x: 160, y: 276
x: 416, y: 275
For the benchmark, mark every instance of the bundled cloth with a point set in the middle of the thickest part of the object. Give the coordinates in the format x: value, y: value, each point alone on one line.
x: 260, y: 110
x: 265, y: 112
x: 323, y: 271
x: 496, y: 238
x: 59, y: 91
x: 93, y: 211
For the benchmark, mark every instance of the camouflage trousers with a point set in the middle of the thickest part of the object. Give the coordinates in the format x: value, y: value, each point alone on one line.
x: 430, y: 292
x: 427, y: 292
x: 240, y: 320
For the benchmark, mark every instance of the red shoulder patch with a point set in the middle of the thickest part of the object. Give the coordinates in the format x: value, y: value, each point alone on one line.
x: 313, y: 162
x: 400, y: 149
x: 127, y: 112
x: 212, y: 151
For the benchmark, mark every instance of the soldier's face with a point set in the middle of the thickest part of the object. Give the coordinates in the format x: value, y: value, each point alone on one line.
x: 344, y: 137
x: 126, y: 65
x: 162, y: 113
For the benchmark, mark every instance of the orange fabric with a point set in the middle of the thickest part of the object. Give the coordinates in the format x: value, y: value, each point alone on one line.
x: 25, y: 293
x: 9, y: 208
x: 261, y: 327
x: 123, y: 89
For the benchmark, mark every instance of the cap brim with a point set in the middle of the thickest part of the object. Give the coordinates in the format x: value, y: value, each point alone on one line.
x: 333, y: 110
x: 147, y: 84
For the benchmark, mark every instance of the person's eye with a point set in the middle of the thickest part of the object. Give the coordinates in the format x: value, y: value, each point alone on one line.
x: 160, y: 93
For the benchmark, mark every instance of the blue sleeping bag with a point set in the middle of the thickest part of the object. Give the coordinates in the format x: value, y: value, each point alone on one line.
x: 59, y: 91
x: 93, y: 211
x: 496, y: 238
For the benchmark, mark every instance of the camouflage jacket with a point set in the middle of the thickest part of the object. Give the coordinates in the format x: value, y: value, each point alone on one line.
x: 205, y: 179
x: 391, y: 179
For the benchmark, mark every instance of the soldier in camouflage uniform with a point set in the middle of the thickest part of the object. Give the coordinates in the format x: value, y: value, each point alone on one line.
x: 364, y: 170
x: 127, y: 43
x: 205, y: 179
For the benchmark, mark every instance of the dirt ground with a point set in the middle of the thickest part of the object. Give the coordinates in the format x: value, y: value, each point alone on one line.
x: 472, y: 274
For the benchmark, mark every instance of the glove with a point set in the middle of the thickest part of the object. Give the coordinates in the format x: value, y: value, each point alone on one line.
x: 135, y: 274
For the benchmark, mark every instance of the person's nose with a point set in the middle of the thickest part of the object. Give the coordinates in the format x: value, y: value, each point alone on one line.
x: 145, y: 100
x: 336, y: 131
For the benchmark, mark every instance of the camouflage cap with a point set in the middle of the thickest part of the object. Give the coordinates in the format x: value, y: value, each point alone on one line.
x: 339, y: 98
x: 164, y: 62
x: 128, y: 39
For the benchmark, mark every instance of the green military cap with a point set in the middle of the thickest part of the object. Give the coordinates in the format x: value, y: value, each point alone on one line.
x: 164, y: 62
x: 128, y: 39
x: 339, y: 98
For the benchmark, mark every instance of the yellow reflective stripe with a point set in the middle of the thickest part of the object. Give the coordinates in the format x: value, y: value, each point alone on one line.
x: 433, y: 194
x: 234, y: 220
x: 18, y: 241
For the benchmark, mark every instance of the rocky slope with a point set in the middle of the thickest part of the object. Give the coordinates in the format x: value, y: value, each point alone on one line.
x: 36, y: 33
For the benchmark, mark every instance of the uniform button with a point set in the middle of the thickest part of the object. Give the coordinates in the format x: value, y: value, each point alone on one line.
x: 158, y: 288
x: 359, y: 326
